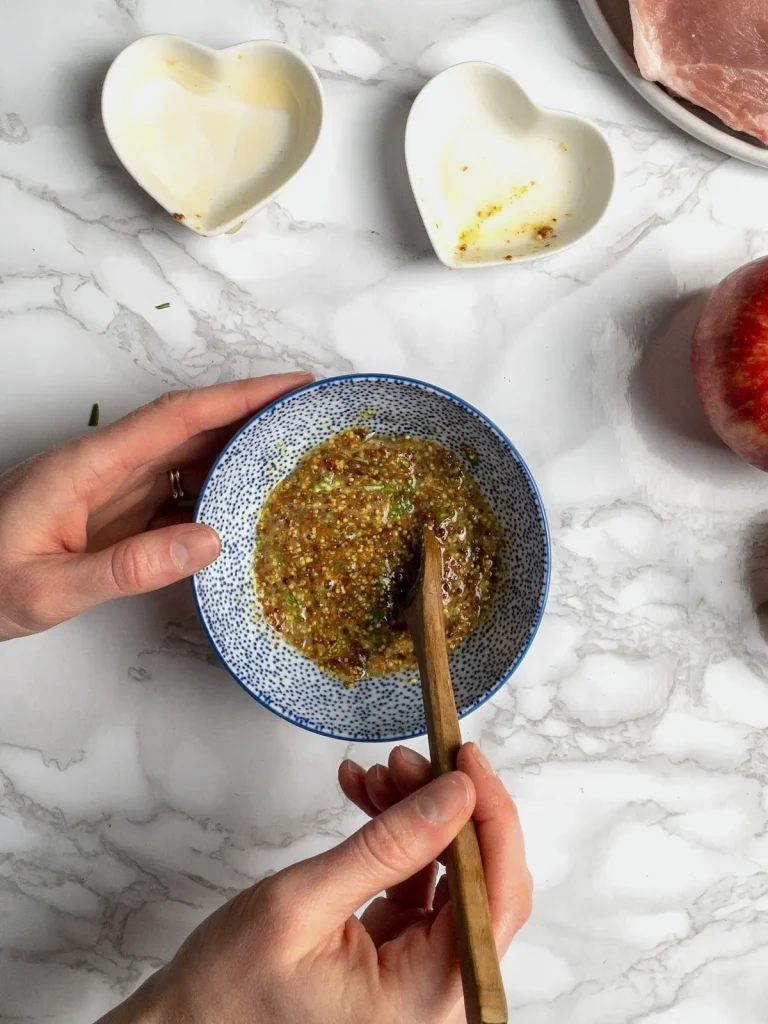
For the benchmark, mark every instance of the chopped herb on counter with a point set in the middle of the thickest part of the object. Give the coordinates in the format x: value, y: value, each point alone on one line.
x: 93, y: 419
x: 163, y: 305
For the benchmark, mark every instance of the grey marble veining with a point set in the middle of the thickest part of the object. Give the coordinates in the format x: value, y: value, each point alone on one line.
x: 138, y: 784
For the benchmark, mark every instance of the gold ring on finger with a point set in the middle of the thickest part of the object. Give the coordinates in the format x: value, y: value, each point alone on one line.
x: 174, y: 478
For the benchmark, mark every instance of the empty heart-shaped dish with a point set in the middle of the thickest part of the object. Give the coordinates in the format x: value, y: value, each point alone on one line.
x: 496, y: 178
x: 212, y: 135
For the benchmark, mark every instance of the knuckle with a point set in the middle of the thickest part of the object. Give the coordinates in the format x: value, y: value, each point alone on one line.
x: 243, y: 907
x: 31, y: 477
x: 130, y: 568
x: 278, y: 901
x: 383, y: 842
x: 169, y: 399
x: 522, y: 898
x: 278, y: 896
x: 266, y: 917
x: 512, y: 905
x: 178, y: 403
x: 34, y: 598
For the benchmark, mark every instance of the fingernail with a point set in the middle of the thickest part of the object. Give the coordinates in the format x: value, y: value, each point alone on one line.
x: 412, y: 757
x: 194, y: 549
x: 379, y: 772
x: 482, y: 760
x: 443, y: 799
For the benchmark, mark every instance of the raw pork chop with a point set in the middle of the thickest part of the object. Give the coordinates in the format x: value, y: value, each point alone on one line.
x: 711, y: 52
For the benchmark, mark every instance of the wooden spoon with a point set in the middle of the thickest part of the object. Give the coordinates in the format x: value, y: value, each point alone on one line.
x: 484, y: 999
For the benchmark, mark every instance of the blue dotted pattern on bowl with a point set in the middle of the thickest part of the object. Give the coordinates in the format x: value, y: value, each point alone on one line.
x: 269, y: 446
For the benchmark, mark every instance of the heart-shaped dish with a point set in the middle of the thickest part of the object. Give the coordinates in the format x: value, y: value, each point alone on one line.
x: 211, y: 135
x: 496, y: 178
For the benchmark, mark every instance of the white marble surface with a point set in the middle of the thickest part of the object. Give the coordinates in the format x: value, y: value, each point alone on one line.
x: 140, y: 786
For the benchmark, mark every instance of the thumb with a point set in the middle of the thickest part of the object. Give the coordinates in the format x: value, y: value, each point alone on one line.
x: 389, y: 849
x: 139, y: 564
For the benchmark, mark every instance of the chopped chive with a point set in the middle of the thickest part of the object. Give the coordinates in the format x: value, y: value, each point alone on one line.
x: 163, y: 305
x: 93, y: 419
x: 325, y: 484
x: 401, y: 508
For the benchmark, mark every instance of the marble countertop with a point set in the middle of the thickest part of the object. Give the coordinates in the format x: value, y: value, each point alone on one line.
x: 140, y: 786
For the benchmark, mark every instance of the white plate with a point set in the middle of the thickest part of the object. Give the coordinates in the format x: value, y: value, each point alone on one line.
x: 498, y: 179
x: 212, y: 135
x: 611, y: 24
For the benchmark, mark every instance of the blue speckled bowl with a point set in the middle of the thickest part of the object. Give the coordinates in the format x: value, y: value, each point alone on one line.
x: 266, y: 449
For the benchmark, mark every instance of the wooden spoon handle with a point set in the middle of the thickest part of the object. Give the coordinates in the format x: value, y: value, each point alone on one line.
x: 484, y: 999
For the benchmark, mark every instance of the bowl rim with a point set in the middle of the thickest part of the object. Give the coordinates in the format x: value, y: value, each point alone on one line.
x: 543, y: 593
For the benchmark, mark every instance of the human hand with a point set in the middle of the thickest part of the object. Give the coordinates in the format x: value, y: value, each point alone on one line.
x: 84, y: 522
x: 290, y: 948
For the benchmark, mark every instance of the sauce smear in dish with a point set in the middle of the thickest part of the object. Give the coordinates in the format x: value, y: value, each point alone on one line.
x: 338, y: 548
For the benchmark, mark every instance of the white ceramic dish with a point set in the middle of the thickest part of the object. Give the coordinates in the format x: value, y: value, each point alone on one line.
x: 212, y: 135
x: 496, y: 178
x: 610, y: 21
